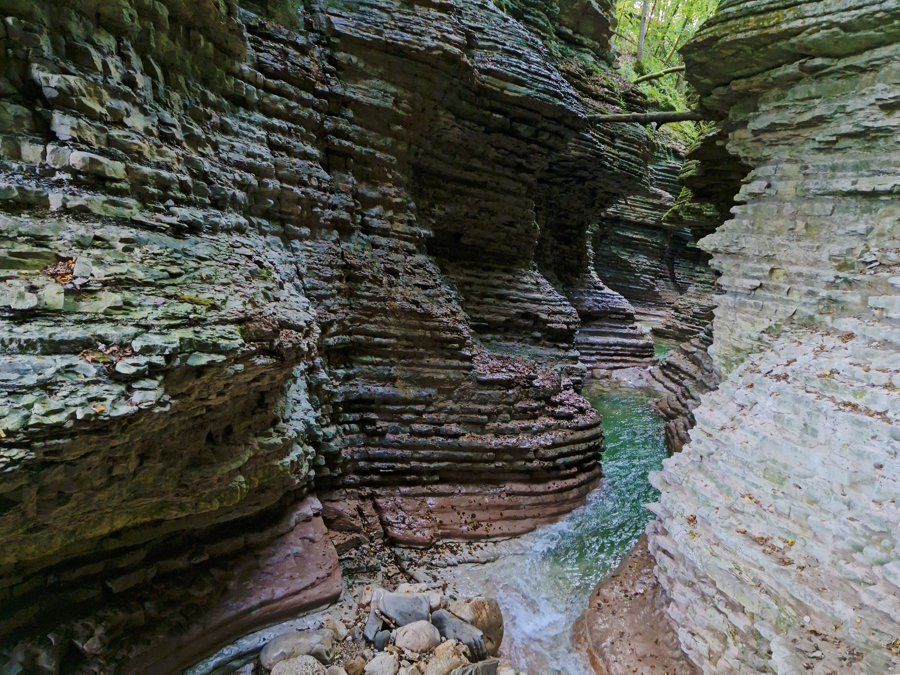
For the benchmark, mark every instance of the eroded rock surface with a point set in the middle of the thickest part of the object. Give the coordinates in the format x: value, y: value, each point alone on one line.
x: 245, y: 259
x: 776, y: 540
x: 625, y: 628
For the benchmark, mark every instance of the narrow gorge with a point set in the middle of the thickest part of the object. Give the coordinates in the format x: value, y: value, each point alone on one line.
x: 348, y: 334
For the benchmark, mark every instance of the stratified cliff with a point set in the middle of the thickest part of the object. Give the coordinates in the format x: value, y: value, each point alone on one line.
x: 777, y: 533
x: 644, y: 247
x: 710, y: 179
x: 338, y: 250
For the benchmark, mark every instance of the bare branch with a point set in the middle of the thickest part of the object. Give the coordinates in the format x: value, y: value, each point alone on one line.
x: 649, y: 118
x: 654, y: 76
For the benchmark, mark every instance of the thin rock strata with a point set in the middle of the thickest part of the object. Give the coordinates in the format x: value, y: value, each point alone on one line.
x: 247, y: 261
x: 710, y: 180
x: 776, y: 536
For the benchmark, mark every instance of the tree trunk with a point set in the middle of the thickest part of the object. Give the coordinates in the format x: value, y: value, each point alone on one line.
x: 645, y: 18
x: 648, y: 118
x: 654, y: 76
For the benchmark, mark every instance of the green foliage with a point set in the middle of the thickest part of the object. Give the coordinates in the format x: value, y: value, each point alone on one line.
x: 671, y: 23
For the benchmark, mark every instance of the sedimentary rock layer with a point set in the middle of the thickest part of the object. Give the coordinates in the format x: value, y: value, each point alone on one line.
x: 776, y: 539
x: 685, y: 375
x: 644, y: 248
x: 633, y: 251
x: 241, y: 255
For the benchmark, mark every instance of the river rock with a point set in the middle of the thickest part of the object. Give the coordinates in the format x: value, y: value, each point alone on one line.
x: 382, y: 639
x: 447, y: 656
x: 316, y: 643
x: 338, y: 629
x: 336, y: 670
x: 419, y: 636
x: 454, y: 628
x: 488, y: 667
x: 484, y: 614
x: 356, y: 665
x: 435, y: 597
x: 300, y: 665
x: 402, y: 608
x: 384, y: 663
x: 374, y: 624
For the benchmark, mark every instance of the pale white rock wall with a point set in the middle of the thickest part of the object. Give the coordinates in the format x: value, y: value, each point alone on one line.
x: 777, y: 531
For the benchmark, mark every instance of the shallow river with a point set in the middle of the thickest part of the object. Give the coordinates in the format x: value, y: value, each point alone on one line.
x: 543, y: 580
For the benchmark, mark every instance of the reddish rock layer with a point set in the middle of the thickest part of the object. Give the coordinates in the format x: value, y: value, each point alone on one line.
x: 625, y: 628
x: 241, y: 257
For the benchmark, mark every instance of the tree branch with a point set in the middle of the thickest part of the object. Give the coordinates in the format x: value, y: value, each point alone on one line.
x: 654, y: 76
x: 648, y: 118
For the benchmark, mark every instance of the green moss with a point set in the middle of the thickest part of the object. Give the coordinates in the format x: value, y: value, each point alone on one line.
x: 196, y: 300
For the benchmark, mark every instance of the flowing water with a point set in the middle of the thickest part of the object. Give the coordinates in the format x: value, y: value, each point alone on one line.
x: 543, y: 580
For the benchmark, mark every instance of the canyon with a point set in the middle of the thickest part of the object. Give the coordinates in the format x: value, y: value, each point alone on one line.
x: 287, y: 282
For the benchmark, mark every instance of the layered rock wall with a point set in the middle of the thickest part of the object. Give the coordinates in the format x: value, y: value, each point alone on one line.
x: 776, y: 540
x: 243, y: 260
x: 710, y: 180
x: 644, y: 248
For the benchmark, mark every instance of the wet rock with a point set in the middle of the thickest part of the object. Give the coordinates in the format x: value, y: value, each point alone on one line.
x: 454, y: 628
x: 419, y: 636
x: 384, y: 663
x: 402, y: 608
x: 316, y: 643
x: 485, y: 615
x: 630, y: 603
x: 300, y: 665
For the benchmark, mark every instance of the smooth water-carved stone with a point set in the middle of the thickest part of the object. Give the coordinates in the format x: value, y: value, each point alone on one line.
x: 402, y: 608
x: 454, y: 628
x: 419, y: 636
x: 317, y: 643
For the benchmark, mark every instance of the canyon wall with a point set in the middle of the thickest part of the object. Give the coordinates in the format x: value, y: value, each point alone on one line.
x: 776, y: 539
x: 710, y: 180
x: 337, y: 251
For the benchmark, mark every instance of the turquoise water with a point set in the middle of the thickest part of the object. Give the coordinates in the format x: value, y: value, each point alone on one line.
x: 661, y: 348
x: 543, y: 580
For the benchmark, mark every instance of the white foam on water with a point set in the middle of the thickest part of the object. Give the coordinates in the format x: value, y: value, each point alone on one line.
x: 543, y: 580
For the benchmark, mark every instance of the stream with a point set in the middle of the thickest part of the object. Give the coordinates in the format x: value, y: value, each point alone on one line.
x: 543, y: 580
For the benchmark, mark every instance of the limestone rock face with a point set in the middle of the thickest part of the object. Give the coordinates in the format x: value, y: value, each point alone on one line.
x: 644, y: 247
x: 776, y: 540
x: 634, y: 252
x: 685, y: 375
x: 242, y: 261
